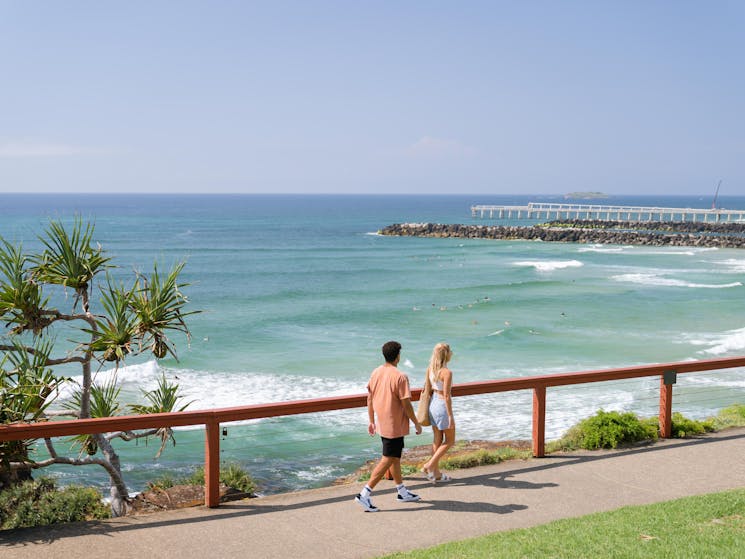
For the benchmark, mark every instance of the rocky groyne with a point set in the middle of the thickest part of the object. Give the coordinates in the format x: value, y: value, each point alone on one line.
x: 615, y: 233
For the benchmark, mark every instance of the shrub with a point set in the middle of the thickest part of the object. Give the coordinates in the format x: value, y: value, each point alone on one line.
x: 39, y: 503
x: 231, y: 475
x: 683, y: 427
x: 732, y: 416
x: 608, y: 430
x: 166, y: 481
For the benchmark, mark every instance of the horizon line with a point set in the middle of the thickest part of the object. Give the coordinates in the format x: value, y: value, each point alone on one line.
x: 166, y: 193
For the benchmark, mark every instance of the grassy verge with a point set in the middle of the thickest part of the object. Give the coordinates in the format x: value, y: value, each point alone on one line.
x: 693, y: 527
x: 483, y: 458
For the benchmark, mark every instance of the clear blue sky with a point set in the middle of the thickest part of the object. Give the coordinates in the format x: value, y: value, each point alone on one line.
x: 499, y: 97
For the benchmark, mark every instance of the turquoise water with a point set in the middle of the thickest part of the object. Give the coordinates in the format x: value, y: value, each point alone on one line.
x: 299, y: 293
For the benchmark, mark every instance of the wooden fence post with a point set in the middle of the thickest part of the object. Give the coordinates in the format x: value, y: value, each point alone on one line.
x: 666, y: 403
x: 539, y: 421
x: 212, y: 464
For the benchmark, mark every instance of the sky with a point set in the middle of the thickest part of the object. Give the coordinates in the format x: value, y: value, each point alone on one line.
x: 414, y: 97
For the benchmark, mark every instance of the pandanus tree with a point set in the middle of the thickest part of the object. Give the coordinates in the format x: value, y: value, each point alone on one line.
x: 133, y: 319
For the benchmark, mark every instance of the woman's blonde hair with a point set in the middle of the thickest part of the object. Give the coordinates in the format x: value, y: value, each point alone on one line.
x: 441, y: 354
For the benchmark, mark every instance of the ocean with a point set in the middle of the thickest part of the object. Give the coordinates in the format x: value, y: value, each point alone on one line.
x: 298, y: 293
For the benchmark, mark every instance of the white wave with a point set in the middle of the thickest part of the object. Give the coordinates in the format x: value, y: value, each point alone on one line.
x: 600, y: 248
x: 733, y: 264
x: 508, y: 415
x: 669, y: 253
x: 373, y: 234
x: 208, y: 390
x: 730, y: 341
x: 658, y: 280
x: 315, y: 473
x: 688, y: 251
x: 550, y: 265
x: 140, y: 375
x: 736, y: 381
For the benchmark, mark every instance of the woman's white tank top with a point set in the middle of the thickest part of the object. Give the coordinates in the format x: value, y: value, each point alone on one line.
x: 436, y: 384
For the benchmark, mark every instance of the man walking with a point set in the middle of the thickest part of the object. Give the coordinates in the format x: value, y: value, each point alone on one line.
x: 389, y: 398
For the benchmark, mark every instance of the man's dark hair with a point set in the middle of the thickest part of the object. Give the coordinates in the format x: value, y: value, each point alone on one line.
x: 391, y: 350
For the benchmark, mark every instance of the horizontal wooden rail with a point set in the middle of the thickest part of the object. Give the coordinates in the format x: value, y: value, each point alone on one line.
x: 212, y: 419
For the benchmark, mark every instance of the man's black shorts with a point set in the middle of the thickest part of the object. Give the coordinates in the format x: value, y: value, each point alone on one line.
x: 393, y: 447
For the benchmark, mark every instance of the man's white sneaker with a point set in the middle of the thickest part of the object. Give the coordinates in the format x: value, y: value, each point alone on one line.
x: 408, y: 497
x: 366, y: 503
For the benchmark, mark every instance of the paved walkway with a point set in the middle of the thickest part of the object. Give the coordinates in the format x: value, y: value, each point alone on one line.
x: 323, y: 523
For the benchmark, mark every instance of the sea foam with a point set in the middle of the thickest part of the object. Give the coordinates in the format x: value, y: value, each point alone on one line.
x: 549, y: 265
x: 660, y: 281
x: 734, y: 265
x: 210, y: 390
x: 600, y: 248
x: 731, y: 341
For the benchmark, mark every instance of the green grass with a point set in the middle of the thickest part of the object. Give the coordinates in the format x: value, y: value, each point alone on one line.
x: 483, y: 458
x: 406, y: 470
x: 693, y: 527
x: 733, y: 416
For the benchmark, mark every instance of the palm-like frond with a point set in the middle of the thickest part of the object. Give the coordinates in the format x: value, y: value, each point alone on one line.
x: 158, y: 303
x: 21, y: 301
x: 69, y: 258
x: 104, y: 403
x: 29, y: 387
x: 164, y: 399
x: 115, y: 331
x: 26, y: 390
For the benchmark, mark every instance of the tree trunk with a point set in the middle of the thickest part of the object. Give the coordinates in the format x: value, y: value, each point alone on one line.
x: 13, y: 476
x: 119, y: 493
x: 85, y: 394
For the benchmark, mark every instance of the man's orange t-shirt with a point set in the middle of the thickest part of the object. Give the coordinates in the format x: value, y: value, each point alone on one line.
x: 387, y: 387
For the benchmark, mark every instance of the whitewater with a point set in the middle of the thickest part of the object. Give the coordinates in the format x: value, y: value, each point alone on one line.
x: 298, y: 293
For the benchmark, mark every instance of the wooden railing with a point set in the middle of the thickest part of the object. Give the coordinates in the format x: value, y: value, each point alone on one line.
x: 212, y: 419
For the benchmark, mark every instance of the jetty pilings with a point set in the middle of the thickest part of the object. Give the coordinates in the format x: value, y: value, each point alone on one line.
x: 585, y: 212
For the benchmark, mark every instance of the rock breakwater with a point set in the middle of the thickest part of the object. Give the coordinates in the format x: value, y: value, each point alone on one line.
x: 581, y: 232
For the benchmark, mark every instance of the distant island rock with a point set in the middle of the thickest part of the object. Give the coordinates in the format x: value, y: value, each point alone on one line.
x: 585, y: 196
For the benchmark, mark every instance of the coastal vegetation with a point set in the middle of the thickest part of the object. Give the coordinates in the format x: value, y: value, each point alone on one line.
x: 40, y: 503
x: 710, y: 525
x: 232, y: 475
x: 603, y: 430
x: 608, y: 430
x: 130, y: 319
x: 611, y: 429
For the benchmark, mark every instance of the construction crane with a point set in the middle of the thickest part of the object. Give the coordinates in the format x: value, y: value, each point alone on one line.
x: 714, y: 203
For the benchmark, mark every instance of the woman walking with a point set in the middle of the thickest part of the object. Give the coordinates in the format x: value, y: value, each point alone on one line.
x: 440, y: 411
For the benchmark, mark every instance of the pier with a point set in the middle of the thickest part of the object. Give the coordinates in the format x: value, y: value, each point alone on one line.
x: 632, y: 214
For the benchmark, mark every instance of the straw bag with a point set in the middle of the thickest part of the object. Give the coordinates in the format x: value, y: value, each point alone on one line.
x: 422, y: 411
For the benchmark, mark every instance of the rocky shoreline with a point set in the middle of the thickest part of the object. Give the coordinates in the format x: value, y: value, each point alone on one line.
x: 687, y: 234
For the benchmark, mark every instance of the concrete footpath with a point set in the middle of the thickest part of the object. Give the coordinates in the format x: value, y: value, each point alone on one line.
x: 326, y: 522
